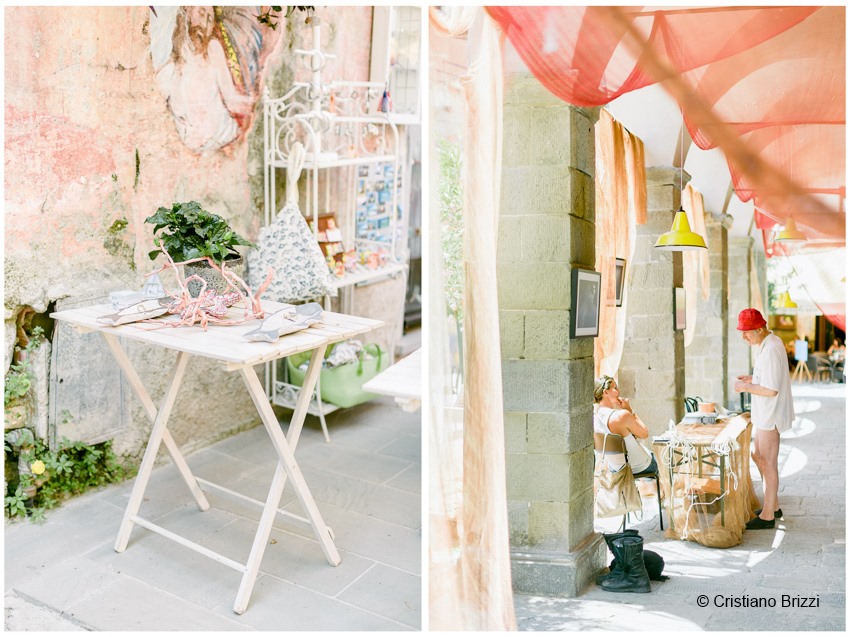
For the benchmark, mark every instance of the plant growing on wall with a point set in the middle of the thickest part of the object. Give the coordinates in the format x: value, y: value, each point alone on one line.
x: 190, y: 232
x: 54, y: 476
x: 19, y: 378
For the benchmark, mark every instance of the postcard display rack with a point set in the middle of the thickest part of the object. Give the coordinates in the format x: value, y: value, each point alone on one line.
x: 342, y: 129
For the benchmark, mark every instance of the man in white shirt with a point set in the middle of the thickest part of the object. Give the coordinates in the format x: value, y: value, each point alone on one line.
x: 772, y: 408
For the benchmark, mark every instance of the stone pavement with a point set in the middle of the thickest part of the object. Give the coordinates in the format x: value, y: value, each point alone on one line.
x: 803, y: 557
x: 63, y: 574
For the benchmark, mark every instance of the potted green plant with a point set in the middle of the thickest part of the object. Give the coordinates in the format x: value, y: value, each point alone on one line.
x: 187, y: 231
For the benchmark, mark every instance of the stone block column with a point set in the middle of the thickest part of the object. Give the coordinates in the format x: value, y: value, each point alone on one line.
x: 739, y: 360
x: 652, y: 369
x: 706, y: 356
x: 546, y: 227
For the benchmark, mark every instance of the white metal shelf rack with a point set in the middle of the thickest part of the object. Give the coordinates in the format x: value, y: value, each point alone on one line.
x: 334, y: 123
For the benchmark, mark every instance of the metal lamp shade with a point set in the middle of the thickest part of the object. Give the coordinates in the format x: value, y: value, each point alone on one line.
x: 785, y: 302
x: 680, y: 237
x: 789, y: 233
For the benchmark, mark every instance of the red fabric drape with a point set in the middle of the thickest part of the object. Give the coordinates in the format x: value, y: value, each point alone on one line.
x: 835, y: 313
x: 765, y: 85
x: 772, y: 77
x: 818, y: 273
x: 582, y: 59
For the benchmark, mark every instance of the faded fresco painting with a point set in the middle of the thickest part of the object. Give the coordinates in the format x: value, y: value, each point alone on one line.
x: 208, y: 63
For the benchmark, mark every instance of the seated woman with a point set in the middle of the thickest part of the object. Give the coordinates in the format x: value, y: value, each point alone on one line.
x: 614, y: 415
x: 837, y: 350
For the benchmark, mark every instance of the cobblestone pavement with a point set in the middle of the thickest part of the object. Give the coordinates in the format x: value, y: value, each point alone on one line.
x: 63, y: 574
x: 803, y: 557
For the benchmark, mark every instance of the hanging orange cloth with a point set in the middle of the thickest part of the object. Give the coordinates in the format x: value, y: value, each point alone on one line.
x: 695, y: 275
x: 620, y: 205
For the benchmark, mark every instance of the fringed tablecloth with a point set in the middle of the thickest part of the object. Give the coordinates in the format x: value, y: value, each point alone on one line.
x: 705, y: 476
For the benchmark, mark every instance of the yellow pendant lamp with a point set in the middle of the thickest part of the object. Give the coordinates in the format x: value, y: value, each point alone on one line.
x: 785, y: 302
x: 680, y: 237
x: 790, y: 234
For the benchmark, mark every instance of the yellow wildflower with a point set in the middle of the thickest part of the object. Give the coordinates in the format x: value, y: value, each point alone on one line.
x: 37, y: 467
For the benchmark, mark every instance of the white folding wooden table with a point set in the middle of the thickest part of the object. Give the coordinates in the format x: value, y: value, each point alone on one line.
x: 226, y: 345
x: 402, y: 381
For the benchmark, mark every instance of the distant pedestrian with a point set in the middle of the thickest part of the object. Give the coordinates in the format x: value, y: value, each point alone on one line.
x: 772, y: 408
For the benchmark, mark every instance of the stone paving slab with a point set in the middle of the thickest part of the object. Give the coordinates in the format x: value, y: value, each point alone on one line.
x: 163, y: 564
x: 369, y: 498
x: 403, y: 447
x: 22, y: 614
x: 133, y: 605
x: 253, y: 445
x: 75, y: 529
x: 192, y: 523
x: 258, y: 489
x: 64, y: 573
x: 69, y: 583
x: 166, y: 492
x: 551, y: 614
x: 304, y: 610
x: 389, y: 592
x: 409, y: 480
x: 353, y: 462
x: 363, y: 432
x: 295, y: 558
x: 369, y: 537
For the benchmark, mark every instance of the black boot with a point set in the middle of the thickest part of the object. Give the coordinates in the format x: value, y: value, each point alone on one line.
x: 616, y: 568
x: 635, y: 579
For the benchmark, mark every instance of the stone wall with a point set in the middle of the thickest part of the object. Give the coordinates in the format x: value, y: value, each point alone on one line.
x: 92, y: 149
x: 706, y: 357
x: 652, y: 369
x: 546, y: 227
x: 739, y: 353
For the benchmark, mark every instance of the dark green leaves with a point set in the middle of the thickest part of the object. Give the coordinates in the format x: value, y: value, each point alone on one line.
x: 190, y: 232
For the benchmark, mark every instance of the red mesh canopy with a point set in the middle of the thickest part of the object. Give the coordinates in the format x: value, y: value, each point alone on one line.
x: 765, y: 85
x: 771, y: 79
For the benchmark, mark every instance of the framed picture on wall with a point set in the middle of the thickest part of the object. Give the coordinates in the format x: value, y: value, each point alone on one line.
x: 679, y: 313
x: 584, y: 303
x: 786, y: 322
x: 619, y: 281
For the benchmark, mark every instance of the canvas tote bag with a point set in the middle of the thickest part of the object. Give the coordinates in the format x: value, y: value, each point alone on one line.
x: 288, y: 246
x: 616, y: 493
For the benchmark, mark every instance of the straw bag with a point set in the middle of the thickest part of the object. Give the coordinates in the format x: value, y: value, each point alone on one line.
x: 616, y: 493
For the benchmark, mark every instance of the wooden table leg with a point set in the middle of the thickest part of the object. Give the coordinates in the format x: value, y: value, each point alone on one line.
x: 311, y: 379
x: 157, y: 433
x: 722, y: 490
x: 672, y: 506
x: 286, y: 467
x: 143, y: 395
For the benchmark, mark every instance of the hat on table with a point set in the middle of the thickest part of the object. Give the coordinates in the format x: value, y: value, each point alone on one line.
x: 750, y: 319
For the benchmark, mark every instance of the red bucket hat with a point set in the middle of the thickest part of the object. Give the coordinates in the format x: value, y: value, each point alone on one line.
x: 750, y: 319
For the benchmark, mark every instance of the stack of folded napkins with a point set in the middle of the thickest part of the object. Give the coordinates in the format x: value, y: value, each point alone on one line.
x: 698, y: 417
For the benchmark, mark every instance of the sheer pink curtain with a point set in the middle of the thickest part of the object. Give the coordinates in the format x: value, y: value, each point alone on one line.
x: 485, y: 596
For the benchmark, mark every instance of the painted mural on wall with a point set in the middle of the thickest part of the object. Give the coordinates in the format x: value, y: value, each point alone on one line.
x: 90, y: 151
x: 209, y: 65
